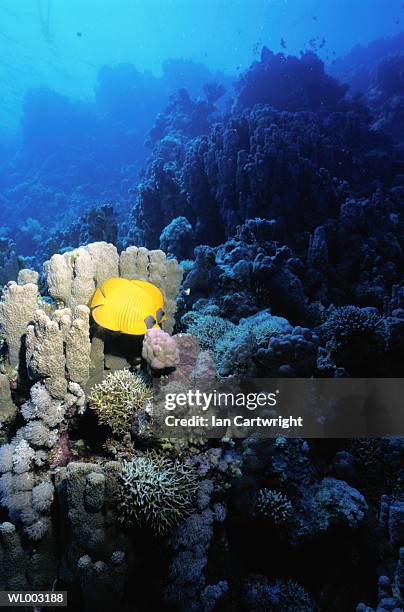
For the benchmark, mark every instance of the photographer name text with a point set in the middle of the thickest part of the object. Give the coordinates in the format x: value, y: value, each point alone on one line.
x: 197, y: 421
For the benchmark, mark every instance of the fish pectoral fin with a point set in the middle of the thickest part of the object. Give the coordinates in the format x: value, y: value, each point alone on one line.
x: 116, y: 288
x: 152, y: 291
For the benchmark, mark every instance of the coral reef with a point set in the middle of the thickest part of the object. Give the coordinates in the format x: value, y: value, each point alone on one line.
x: 187, y: 587
x: 280, y: 596
x: 177, y: 238
x: 9, y: 262
x: 284, y: 207
x: 289, y: 83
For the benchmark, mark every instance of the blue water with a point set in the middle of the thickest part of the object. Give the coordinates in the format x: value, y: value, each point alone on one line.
x: 63, y: 44
x: 82, y: 84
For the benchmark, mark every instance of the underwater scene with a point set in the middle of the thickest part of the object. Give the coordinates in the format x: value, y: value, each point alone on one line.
x: 201, y: 278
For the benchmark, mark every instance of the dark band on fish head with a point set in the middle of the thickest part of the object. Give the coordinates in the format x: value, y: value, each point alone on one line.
x: 150, y: 322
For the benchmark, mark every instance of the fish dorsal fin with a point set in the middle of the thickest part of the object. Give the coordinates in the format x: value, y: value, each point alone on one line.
x: 116, y: 288
x: 154, y: 292
x: 98, y: 299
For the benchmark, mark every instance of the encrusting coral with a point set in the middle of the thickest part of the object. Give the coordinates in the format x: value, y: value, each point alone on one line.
x: 156, y: 491
x: 117, y: 399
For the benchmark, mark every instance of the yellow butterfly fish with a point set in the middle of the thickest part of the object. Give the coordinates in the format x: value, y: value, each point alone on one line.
x: 128, y: 306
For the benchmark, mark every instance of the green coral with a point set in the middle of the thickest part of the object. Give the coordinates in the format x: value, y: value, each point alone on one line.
x: 117, y: 399
x: 273, y: 505
x: 156, y: 491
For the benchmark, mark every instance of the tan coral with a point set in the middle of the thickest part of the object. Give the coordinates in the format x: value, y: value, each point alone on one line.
x: 73, y: 277
x: 133, y: 263
x: 7, y: 408
x: 78, y: 346
x: 45, y: 353
x: 26, y: 276
x: 58, y: 348
x: 17, y: 308
x: 70, y: 277
x: 105, y: 259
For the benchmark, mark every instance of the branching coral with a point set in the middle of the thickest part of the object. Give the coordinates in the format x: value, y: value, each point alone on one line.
x: 273, y: 505
x: 354, y: 336
x: 117, y: 398
x: 207, y: 328
x: 348, y: 322
x: 278, y: 596
x: 156, y: 491
x: 261, y: 326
